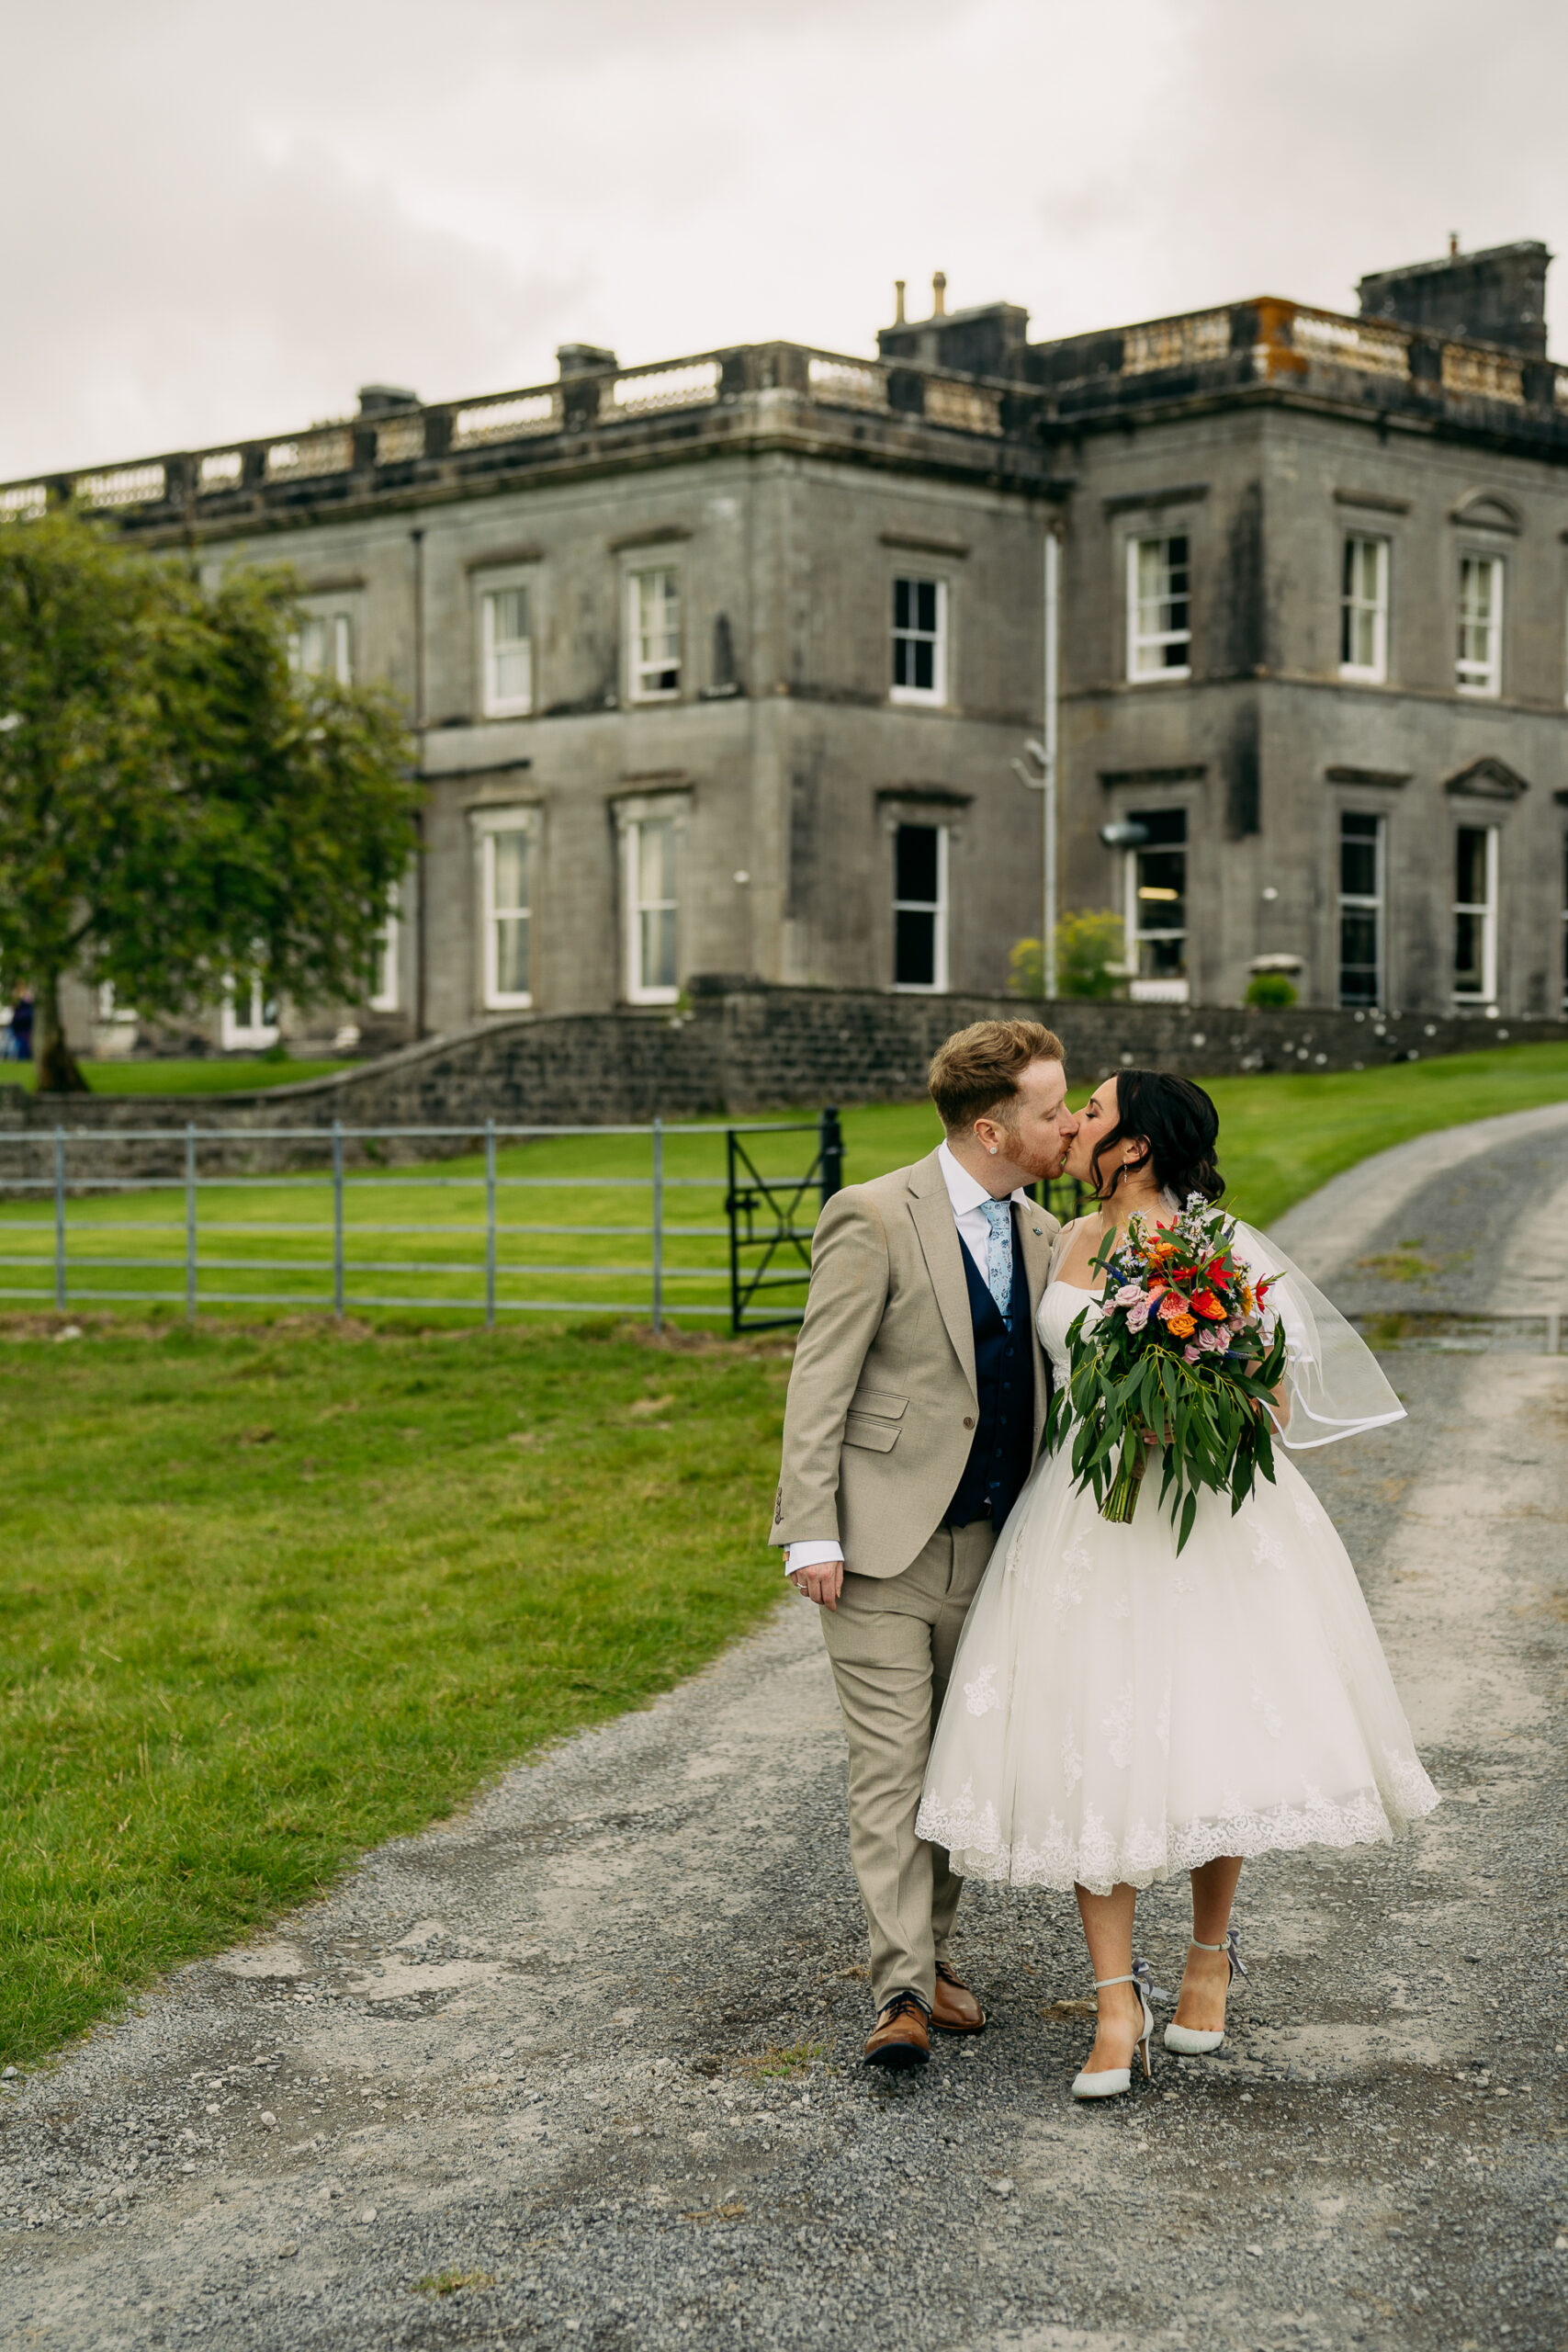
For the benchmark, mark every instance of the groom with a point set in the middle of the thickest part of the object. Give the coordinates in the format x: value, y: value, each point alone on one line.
x: 914, y: 1410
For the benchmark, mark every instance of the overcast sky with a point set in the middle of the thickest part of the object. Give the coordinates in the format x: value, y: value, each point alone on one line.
x: 219, y: 220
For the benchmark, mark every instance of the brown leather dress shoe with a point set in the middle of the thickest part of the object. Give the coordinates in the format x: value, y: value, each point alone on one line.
x: 900, y: 2038
x: 955, y: 2009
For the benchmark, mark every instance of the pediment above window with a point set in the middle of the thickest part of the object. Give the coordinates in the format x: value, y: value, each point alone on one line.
x: 1488, y: 509
x: 1487, y: 779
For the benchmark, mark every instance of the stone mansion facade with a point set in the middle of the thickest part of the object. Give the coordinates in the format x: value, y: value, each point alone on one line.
x: 733, y: 665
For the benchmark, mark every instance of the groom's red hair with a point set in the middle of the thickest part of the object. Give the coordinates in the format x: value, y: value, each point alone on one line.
x: 978, y: 1068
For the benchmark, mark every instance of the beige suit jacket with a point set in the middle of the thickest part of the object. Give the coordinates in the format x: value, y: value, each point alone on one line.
x: 882, y: 1403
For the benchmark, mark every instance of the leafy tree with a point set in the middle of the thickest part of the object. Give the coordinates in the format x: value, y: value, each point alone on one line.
x: 1090, y: 953
x: 179, y: 812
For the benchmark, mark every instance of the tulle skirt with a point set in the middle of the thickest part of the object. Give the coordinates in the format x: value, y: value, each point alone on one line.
x: 1117, y: 1713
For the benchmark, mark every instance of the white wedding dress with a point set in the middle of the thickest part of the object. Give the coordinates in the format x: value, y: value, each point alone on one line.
x: 1116, y: 1714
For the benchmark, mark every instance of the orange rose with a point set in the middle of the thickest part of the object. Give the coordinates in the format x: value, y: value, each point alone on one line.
x: 1206, y: 1304
x: 1181, y: 1327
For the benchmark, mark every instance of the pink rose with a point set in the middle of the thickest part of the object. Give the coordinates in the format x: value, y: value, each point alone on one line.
x: 1129, y: 1294
x: 1191, y: 1351
x: 1138, y: 1316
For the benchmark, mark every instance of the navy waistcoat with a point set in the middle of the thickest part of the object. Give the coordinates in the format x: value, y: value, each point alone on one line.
x: 1002, y: 1456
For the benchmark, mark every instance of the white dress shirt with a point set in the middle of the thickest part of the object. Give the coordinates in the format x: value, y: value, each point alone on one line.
x: 966, y: 1193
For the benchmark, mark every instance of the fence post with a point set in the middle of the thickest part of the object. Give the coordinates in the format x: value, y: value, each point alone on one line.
x: 489, y: 1224
x: 659, y: 1225
x: 60, y: 1219
x: 732, y: 1210
x: 190, y: 1224
x: 337, y: 1218
x: 830, y: 1155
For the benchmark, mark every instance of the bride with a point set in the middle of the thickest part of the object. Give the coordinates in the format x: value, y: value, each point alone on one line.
x: 1116, y: 1714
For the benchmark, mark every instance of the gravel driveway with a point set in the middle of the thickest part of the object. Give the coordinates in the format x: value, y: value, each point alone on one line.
x: 581, y: 2068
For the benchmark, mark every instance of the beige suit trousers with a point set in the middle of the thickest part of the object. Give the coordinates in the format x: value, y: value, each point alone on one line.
x: 891, y: 1641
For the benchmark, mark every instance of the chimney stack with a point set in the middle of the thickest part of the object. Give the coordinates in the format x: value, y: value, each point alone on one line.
x: 1495, y: 296
x: 939, y: 294
x: 899, y: 319
x: 583, y: 359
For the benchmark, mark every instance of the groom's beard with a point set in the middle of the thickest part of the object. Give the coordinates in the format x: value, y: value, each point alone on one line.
x: 1046, y: 1170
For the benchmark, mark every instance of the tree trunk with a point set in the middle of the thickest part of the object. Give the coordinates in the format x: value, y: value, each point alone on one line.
x: 58, y: 1070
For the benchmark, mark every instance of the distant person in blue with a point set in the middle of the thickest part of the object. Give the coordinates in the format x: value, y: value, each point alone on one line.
x: 20, y: 1045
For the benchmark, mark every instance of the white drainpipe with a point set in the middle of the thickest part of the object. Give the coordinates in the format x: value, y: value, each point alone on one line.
x: 1048, y: 796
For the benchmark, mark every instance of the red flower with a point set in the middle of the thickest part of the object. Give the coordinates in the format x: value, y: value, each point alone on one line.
x: 1205, y: 1303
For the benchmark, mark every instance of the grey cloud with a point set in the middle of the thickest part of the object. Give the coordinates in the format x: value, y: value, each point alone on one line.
x: 220, y: 222
x: 258, y: 301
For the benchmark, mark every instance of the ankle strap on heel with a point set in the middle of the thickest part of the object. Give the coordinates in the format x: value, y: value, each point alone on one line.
x: 1230, y: 1947
x: 1143, y: 1977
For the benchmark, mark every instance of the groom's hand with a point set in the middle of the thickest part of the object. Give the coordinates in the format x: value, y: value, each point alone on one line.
x: 822, y: 1585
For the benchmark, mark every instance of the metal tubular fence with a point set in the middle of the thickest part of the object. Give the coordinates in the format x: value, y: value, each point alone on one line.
x: 427, y: 1233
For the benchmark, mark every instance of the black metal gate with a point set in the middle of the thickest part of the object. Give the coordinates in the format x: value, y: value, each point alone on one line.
x: 1063, y: 1196
x: 770, y: 1224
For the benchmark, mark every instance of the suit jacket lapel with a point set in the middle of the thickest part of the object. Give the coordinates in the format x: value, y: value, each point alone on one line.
x: 932, y: 1212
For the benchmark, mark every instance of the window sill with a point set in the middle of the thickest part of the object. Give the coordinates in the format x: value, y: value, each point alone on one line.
x: 508, y: 1005
x: 1478, y: 692
x: 508, y: 710
x: 1159, y: 677
x: 1350, y: 676
x: 659, y: 694
x: 921, y: 987
x: 917, y: 698
x: 1158, y: 991
x: 643, y: 997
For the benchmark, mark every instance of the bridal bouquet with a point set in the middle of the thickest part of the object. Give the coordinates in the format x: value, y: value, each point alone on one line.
x: 1186, y: 1354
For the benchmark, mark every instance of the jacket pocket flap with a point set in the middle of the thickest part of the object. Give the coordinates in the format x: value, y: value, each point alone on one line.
x: 880, y: 1401
x: 861, y: 1429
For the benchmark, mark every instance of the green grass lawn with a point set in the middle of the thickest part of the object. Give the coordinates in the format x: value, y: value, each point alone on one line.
x: 415, y: 1236
x: 227, y: 1074
x: 267, y: 1599
x: 1283, y: 1134
x: 269, y: 1594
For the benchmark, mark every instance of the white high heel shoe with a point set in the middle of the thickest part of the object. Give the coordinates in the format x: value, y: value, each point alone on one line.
x: 1184, y: 2040
x: 1112, y: 2081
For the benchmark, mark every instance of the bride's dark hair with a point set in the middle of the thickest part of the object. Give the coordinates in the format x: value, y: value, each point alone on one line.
x: 1178, y: 1125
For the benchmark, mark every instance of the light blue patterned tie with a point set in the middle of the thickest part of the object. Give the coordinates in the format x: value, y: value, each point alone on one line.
x: 998, y: 1254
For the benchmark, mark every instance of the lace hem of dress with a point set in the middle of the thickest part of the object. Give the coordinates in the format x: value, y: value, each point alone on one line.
x: 1098, y: 1861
